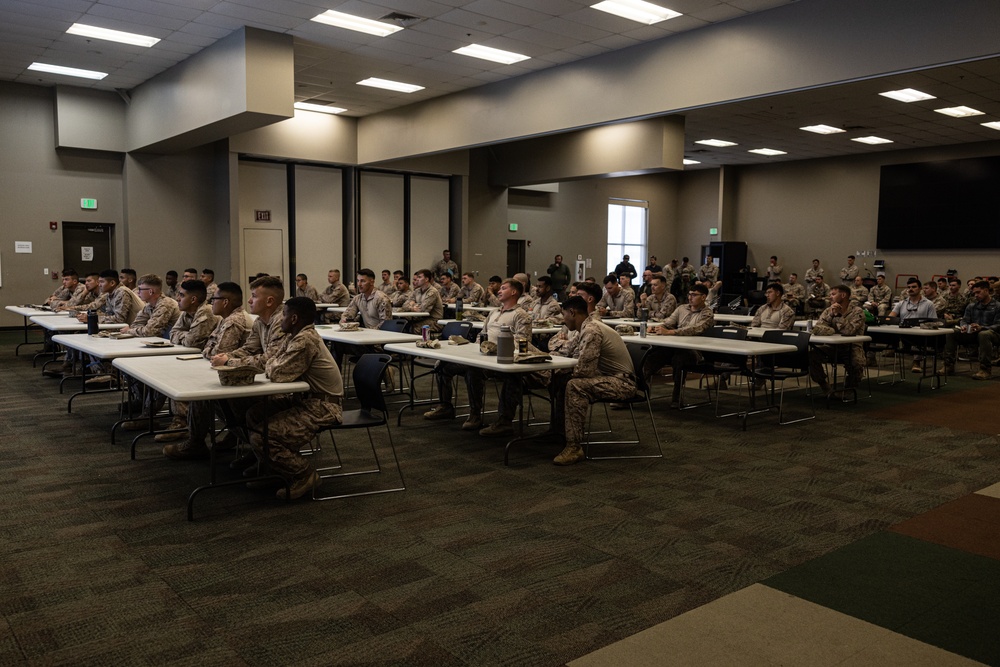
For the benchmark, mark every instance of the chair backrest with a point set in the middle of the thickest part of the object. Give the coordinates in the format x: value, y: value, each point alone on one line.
x: 368, y: 374
x: 800, y: 339
x: 456, y: 329
x: 397, y: 326
x: 732, y: 333
x: 638, y: 354
x: 756, y: 297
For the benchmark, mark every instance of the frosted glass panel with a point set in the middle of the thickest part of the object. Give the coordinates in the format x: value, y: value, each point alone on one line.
x: 428, y: 221
x: 319, y: 230
x: 381, y: 229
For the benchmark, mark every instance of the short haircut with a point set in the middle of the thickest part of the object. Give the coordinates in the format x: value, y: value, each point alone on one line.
x: 272, y: 283
x: 196, y: 288
x: 445, y: 250
x: 93, y: 273
x: 110, y: 274
x: 303, y: 276
x: 652, y: 256
x: 658, y: 276
x: 931, y: 283
x: 230, y: 288
x: 911, y: 280
x: 495, y: 279
x: 843, y: 289
x: 171, y: 273
x: 777, y: 287
x: 426, y: 273
x: 337, y: 271
x: 816, y: 260
x: 447, y: 274
x: 575, y: 303
x: 544, y: 280
x: 774, y: 257
x: 367, y: 273
x: 698, y: 287
x: 152, y: 280
x: 516, y: 285
x: 470, y: 274
x: 387, y: 271
x: 303, y: 307
x: 194, y: 271
x: 850, y: 257
x: 399, y: 272
x: 404, y: 279
x: 794, y: 274
x: 208, y: 272
x: 130, y: 272
x: 591, y: 289
x: 954, y: 279
x: 70, y: 272
x: 610, y: 278
x: 981, y: 284
x: 685, y: 259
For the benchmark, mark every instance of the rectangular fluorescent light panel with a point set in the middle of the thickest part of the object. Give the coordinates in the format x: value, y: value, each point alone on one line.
x: 959, y: 112
x: 67, y: 71
x: 993, y: 125
x: 390, y: 85
x: 872, y: 140
x: 342, y: 20
x: 718, y: 143
x: 637, y: 10
x: 321, y: 108
x: 687, y: 161
x: 766, y: 151
x: 112, y: 35
x: 494, y: 55
x: 907, y: 95
x: 822, y: 129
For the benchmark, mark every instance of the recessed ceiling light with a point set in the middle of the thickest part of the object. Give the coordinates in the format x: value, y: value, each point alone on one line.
x: 321, y: 108
x: 993, y: 125
x: 67, y: 71
x: 637, y: 10
x: 959, y: 112
x: 822, y: 129
x: 872, y: 140
x: 487, y: 53
x: 688, y: 161
x: 342, y: 20
x: 907, y: 95
x: 112, y: 35
x: 390, y: 85
x: 718, y: 143
x: 766, y: 151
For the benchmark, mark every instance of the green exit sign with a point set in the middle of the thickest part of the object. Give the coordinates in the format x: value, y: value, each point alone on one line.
x: 88, y: 204
x: 512, y: 227
x: 713, y: 231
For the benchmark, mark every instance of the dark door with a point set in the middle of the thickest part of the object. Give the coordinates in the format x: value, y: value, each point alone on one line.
x: 515, y: 257
x: 87, y: 247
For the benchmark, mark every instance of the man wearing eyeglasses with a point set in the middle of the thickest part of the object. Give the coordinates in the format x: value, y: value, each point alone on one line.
x: 691, y: 319
x: 979, y: 325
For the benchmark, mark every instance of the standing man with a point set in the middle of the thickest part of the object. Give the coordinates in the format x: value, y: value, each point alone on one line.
x: 881, y: 295
x: 625, y: 266
x: 335, y: 292
x: 708, y: 271
x: 616, y: 302
x: 472, y: 293
x: 372, y: 304
x: 670, y: 272
x: 208, y: 277
x: 773, y: 271
x: 815, y: 270
x: 774, y: 314
x: 980, y: 325
x: 849, y: 272
x: 292, y: 421
x: 653, y: 266
x: 560, y: 274
x: 604, y: 371
x: 425, y: 299
x: 691, y: 319
x: 445, y: 265
x: 304, y: 289
x: 845, y: 319
x: 646, y: 288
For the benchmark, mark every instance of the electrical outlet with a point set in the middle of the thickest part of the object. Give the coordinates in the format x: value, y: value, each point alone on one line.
x: 45, y: 272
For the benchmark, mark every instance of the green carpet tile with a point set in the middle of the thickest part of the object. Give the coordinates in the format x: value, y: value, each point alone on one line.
x: 938, y: 595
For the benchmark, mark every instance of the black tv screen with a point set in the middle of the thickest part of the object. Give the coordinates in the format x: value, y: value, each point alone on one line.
x: 940, y: 205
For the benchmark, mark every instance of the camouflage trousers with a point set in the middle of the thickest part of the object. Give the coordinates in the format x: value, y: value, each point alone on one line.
x: 291, y: 423
x: 852, y: 356
x: 571, y: 399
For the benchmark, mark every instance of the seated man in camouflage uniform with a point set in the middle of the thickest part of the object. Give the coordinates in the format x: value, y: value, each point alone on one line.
x: 617, y: 301
x: 660, y: 302
x: 819, y: 296
x: 691, y: 319
x: 880, y: 296
x: 292, y: 421
x: 859, y: 293
x: 604, y: 371
x: 425, y: 299
x: 795, y: 293
x: 846, y: 319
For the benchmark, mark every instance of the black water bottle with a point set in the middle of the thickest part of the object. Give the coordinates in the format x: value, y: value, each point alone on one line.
x: 92, y: 327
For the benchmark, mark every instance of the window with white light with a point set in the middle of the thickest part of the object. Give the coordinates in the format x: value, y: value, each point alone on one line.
x: 628, y: 224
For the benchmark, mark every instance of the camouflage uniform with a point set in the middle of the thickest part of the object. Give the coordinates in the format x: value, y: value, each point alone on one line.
x: 549, y: 309
x: 850, y: 323
x: 708, y: 272
x: 444, y: 266
x: 849, y: 273
x: 426, y: 301
x: 63, y: 296
x: 264, y: 339
x: 336, y: 294
x: 687, y: 322
x: 773, y: 273
x: 292, y: 421
x: 449, y: 293
x: 473, y: 294
x: 79, y: 301
x: 374, y: 310
x: 661, y: 309
x: 308, y: 292
x: 811, y: 274
x: 782, y: 317
x: 881, y: 296
x: 193, y: 330
x: 155, y: 320
x: 121, y: 306
x: 604, y: 371
x: 622, y: 305
x: 859, y: 295
x: 954, y: 305
x: 819, y: 298
x: 170, y: 291
x: 795, y: 295
x: 387, y: 288
x: 398, y: 299
x: 210, y: 290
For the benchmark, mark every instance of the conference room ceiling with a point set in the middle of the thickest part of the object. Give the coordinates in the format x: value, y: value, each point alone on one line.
x: 330, y: 61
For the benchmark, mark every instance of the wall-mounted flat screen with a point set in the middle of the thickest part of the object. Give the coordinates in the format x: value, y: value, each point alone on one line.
x: 940, y: 205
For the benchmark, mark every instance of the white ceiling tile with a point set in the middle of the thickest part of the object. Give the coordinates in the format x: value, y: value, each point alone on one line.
x: 573, y: 29
x: 506, y: 12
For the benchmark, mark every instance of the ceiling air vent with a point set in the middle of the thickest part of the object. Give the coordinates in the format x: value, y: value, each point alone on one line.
x: 404, y: 20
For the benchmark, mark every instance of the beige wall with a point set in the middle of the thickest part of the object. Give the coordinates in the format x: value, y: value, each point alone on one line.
x: 319, y: 227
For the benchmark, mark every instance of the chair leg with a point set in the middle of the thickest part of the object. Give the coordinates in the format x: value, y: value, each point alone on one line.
x: 354, y: 473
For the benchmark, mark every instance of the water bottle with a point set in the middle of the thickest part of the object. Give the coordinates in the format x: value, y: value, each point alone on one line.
x: 459, y: 309
x: 642, y: 330
x: 505, y: 346
x: 92, y: 322
x: 809, y: 326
